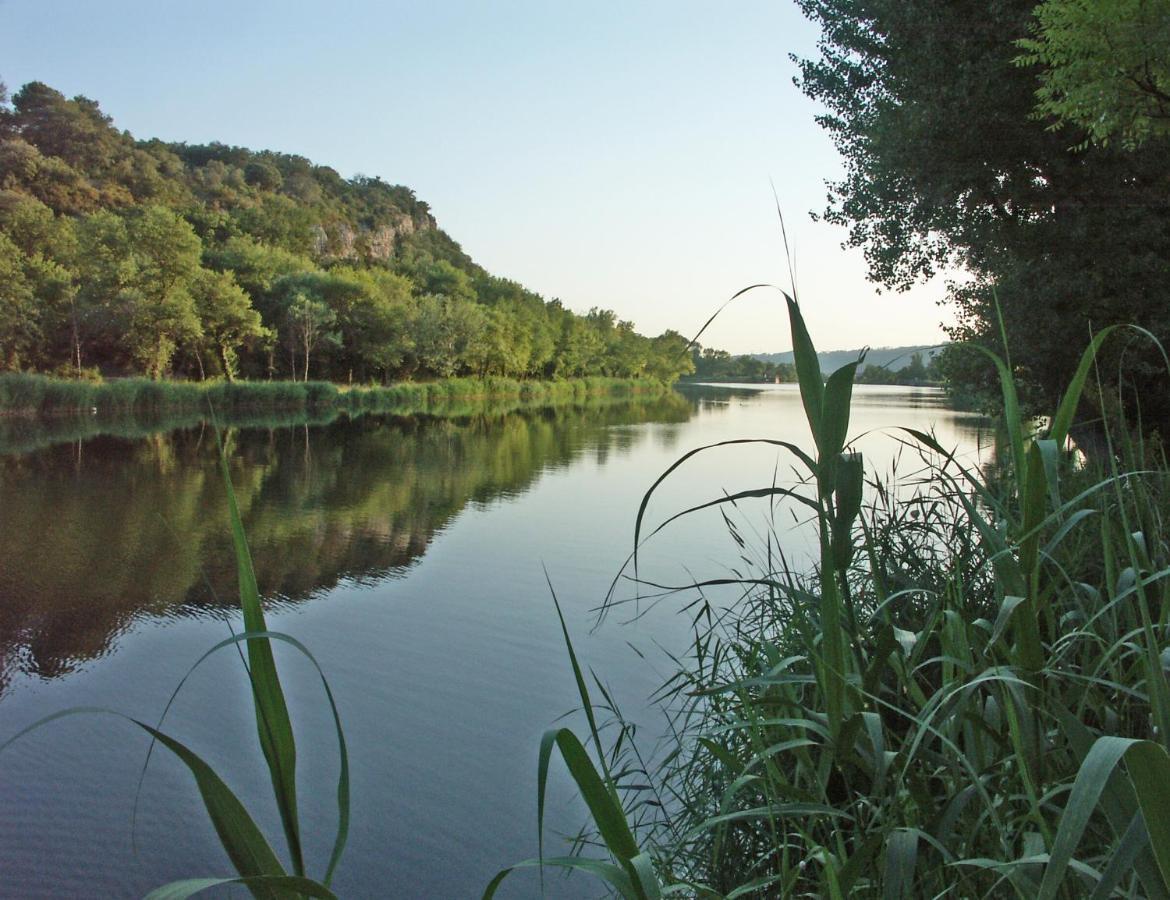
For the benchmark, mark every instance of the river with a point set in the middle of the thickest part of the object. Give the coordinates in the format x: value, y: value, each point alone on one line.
x: 410, y: 556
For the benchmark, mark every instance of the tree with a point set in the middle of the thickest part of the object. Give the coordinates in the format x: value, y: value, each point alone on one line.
x: 947, y: 165
x: 308, y: 320
x: 1106, y: 67
x: 135, y: 273
x: 227, y: 319
x: 140, y: 256
x: 19, y: 331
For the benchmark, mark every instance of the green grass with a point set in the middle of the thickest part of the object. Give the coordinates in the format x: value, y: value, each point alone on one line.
x: 967, y: 696
x: 23, y: 394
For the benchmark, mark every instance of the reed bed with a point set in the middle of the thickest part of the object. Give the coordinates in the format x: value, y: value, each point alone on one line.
x: 966, y: 697
x: 24, y: 394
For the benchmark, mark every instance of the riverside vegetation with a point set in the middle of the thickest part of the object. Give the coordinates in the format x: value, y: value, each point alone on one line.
x: 967, y: 696
x: 125, y: 257
x: 29, y: 395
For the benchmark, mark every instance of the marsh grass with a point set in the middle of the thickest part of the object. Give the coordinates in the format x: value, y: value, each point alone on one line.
x: 23, y: 394
x: 965, y: 697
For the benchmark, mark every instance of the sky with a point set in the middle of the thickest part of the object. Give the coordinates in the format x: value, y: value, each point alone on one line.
x: 613, y: 154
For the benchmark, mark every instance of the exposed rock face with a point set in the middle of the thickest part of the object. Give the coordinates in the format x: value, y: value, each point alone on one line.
x: 344, y: 241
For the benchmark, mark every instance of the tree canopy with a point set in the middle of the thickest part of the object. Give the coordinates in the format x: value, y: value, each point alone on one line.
x: 955, y: 157
x: 1105, y: 67
x: 124, y: 256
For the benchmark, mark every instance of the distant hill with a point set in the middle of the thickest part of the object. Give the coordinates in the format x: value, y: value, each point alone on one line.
x: 127, y: 257
x: 875, y: 356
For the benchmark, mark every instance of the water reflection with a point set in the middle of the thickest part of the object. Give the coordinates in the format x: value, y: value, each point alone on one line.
x: 97, y: 533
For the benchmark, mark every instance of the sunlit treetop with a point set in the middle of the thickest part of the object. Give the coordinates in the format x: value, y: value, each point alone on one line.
x: 1106, y: 67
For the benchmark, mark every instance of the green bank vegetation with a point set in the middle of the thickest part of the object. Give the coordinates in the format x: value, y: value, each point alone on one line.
x: 31, y: 395
x: 966, y: 696
x: 130, y: 257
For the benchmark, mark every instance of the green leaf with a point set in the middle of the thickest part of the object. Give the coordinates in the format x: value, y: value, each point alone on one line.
x: 284, y: 884
x: 615, y: 876
x: 243, y: 841
x: 808, y: 370
x: 272, y: 719
x: 838, y: 397
x: 607, y: 814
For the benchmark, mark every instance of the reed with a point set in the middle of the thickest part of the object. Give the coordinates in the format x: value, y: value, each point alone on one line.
x: 30, y: 395
x: 966, y: 697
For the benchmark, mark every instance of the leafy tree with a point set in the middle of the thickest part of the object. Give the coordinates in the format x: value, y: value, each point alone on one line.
x: 263, y: 175
x: 1106, y: 67
x: 308, y: 321
x: 135, y: 273
x: 227, y: 318
x: 669, y: 358
x: 75, y: 131
x: 374, y: 319
x: 19, y: 334
x: 279, y: 221
x: 578, y: 348
x: 947, y: 165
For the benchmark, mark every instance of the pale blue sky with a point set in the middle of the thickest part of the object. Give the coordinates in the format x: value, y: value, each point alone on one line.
x: 610, y: 154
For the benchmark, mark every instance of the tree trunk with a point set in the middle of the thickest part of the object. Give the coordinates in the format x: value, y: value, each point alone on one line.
x: 76, y: 335
x: 227, y: 367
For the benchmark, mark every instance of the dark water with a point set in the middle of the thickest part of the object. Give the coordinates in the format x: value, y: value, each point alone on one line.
x: 407, y: 554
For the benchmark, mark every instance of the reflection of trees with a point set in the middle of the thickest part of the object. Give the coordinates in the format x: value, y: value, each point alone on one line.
x: 93, y: 536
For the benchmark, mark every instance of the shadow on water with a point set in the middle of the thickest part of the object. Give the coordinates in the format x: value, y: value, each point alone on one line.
x: 98, y: 531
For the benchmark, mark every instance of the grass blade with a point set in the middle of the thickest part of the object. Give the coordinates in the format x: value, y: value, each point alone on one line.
x: 272, y: 719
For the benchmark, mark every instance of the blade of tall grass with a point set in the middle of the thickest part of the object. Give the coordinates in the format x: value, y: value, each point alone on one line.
x: 272, y: 719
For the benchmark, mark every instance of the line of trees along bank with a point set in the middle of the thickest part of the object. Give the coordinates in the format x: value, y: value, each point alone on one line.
x: 719, y: 365
x: 120, y: 256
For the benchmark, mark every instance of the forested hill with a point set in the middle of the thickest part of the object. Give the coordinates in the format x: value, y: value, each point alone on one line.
x: 831, y: 360
x: 124, y: 256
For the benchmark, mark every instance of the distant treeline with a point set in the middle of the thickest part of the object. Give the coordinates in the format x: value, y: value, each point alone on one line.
x: 915, y: 372
x: 126, y: 257
x: 721, y: 366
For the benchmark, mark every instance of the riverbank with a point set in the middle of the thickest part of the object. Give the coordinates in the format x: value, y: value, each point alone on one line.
x: 27, y: 428
x: 35, y: 396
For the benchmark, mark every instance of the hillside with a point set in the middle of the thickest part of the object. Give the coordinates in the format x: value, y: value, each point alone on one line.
x: 895, y: 357
x: 121, y: 256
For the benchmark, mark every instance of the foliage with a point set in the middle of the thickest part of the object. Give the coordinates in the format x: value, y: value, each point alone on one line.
x: 146, y: 258
x: 719, y: 365
x: 946, y: 165
x: 966, y: 696
x: 29, y: 395
x: 1106, y: 67
x: 915, y: 372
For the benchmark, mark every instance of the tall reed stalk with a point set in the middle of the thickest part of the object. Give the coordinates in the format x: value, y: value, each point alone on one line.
x: 966, y: 697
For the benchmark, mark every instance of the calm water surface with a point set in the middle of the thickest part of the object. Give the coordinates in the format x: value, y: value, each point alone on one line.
x: 409, y: 555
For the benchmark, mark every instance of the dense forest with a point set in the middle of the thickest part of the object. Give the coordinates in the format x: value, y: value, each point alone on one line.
x: 121, y: 256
